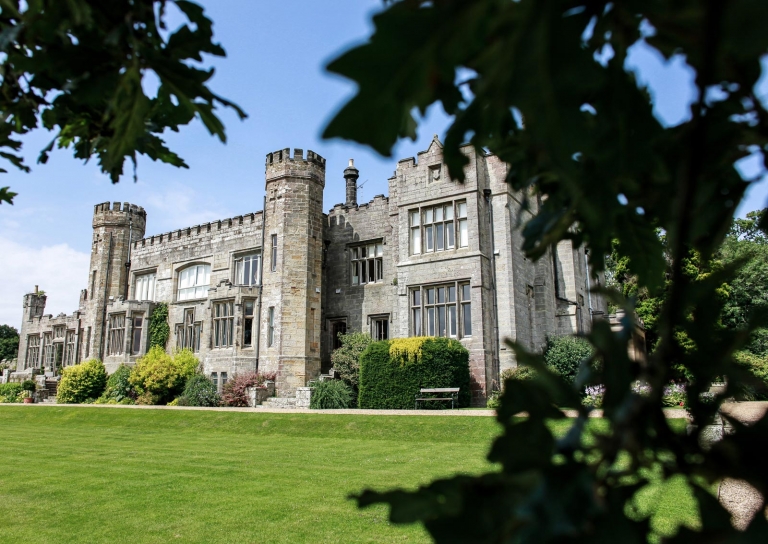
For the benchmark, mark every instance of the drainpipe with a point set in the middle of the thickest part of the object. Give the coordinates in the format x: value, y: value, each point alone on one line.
x: 261, y: 280
x: 128, y: 262
x: 496, y: 361
x: 106, y: 293
x: 589, y: 287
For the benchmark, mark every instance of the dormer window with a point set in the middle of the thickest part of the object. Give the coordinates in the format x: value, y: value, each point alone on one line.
x: 194, y: 282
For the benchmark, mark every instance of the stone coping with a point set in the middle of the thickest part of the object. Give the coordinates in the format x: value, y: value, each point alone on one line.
x: 669, y: 413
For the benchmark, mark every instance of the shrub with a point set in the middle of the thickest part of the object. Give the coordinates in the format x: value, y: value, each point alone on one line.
x: 82, y: 382
x: 159, y: 377
x: 518, y: 373
x: 393, y: 371
x: 10, y: 392
x: 119, y: 387
x: 674, y: 395
x: 199, y: 391
x: 29, y: 385
x: 564, y: 355
x: 593, y: 396
x: 331, y: 395
x: 233, y: 393
x: 757, y: 366
x: 346, y: 359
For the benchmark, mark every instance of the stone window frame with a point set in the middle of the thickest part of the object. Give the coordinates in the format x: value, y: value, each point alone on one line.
x: 223, y: 316
x: 189, y: 331
x: 438, y: 227
x: 219, y: 380
x: 136, y: 332
x: 273, y: 254
x: 271, y: 327
x: 238, y: 268
x: 150, y: 278
x: 49, y: 357
x: 425, y: 302
x: 33, y: 351
x: 361, y: 260
x: 69, y: 347
x: 116, y: 333
x: 246, y: 318
x: 380, y: 325
x: 202, y: 286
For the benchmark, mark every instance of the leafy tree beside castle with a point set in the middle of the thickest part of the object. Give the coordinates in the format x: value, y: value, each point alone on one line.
x: 544, y: 85
x: 346, y: 359
x: 76, y: 68
x: 9, y: 342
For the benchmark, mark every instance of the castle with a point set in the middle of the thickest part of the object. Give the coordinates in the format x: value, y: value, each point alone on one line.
x: 271, y: 290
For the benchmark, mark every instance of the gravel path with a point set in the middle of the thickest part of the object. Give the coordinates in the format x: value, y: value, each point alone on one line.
x: 669, y: 413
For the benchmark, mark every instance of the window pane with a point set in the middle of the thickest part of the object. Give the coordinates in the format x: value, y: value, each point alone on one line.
x: 371, y: 271
x: 441, y: 295
x: 415, y: 241
x: 451, y: 294
x: 439, y: 235
x: 430, y: 321
x: 379, y: 269
x: 462, y: 209
x: 417, y: 297
x: 449, y: 211
x: 363, y: 271
x: 463, y: 234
x: 430, y: 296
x: 449, y: 235
x: 465, y: 292
x: 466, y: 309
x: 441, y: 321
x: 439, y: 213
x: 239, y: 272
x: 248, y: 307
x: 451, y: 320
x: 355, y: 273
x: 417, y: 322
x: 247, y: 272
x: 379, y: 250
x: 428, y: 215
x: 415, y: 218
x: 364, y: 252
x: 428, y: 235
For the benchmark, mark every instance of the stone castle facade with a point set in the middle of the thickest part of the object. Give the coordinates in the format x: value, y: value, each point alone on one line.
x: 271, y: 290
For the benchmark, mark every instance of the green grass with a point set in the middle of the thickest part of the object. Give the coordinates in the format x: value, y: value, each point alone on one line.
x: 122, y: 475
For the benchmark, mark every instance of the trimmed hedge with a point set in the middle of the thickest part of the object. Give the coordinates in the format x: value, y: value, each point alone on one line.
x: 393, y: 371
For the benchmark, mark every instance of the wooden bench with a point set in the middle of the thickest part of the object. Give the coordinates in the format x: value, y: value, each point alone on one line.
x: 453, y: 391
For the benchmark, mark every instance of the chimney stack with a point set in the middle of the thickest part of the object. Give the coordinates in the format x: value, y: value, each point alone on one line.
x: 351, y: 174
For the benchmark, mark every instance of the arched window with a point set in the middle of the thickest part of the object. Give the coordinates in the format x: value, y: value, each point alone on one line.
x: 193, y: 282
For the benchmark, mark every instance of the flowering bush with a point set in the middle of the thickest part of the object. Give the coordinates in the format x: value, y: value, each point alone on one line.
x: 10, y: 392
x: 593, y: 396
x: 233, y: 393
x: 642, y: 389
x: 674, y: 395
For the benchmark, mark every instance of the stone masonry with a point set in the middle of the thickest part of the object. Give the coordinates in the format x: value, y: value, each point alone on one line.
x: 271, y: 290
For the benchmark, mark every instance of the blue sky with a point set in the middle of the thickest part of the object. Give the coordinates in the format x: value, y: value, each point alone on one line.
x: 276, y: 52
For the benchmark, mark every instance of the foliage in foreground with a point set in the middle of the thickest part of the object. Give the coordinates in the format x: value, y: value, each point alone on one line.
x: 9, y: 342
x: 518, y: 373
x: 77, y: 68
x: 234, y: 391
x: 82, y: 383
x: 544, y: 85
x: 199, y: 391
x: 159, y: 377
x: 393, y: 371
x: 330, y: 395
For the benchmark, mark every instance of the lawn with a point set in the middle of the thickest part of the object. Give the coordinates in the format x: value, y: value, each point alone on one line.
x: 122, y: 475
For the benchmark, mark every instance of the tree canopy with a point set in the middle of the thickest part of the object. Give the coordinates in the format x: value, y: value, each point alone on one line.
x: 543, y: 84
x: 77, y: 68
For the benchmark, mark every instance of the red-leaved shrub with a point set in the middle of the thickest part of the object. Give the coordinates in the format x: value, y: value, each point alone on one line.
x: 233, y: 392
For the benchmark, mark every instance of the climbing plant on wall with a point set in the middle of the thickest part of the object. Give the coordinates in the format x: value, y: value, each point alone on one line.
x: 159, y: 330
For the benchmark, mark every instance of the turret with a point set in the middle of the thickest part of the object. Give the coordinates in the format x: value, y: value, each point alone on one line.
x: 115, y: 227
x: 351, y: 174
x: 34, y: 304
x: 293, y: 254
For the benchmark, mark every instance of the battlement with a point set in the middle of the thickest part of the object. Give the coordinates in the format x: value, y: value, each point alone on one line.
x: 202, y: 229
x: 284, y: 156
x: 378, y: 201
x: 124, y: 207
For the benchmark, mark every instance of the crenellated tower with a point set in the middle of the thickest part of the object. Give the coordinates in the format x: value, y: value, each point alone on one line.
x: 115, y: 226
x: 293, y: 251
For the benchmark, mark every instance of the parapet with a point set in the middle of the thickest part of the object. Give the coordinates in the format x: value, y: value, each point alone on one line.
x: 282, y: 164
x: 119, y: 214
x: 202, y: 229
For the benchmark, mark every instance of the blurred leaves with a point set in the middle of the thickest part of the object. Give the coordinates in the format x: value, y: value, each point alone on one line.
x: 78, y: 68
x: 544, y: 87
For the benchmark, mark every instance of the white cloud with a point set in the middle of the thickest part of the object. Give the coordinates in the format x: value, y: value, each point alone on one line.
x: 59, y: 270
x: 178, y: 207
